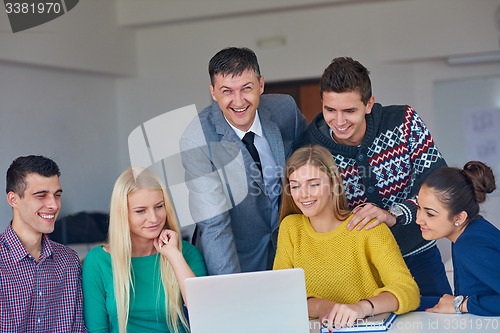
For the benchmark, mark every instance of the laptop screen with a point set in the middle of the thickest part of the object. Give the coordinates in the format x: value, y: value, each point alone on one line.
x: 266, y: 301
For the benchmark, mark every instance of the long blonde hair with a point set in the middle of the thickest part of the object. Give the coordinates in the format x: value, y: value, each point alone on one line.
x: 120, y: 246
x: 320, y: 157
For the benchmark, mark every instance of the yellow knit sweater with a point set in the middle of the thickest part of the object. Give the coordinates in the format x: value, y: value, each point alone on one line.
x: 346, y: 266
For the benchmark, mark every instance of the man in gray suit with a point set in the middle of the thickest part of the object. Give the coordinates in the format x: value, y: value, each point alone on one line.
x: 234, y: 185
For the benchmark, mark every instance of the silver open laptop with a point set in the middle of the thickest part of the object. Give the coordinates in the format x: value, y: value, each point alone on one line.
x: 256, y: 302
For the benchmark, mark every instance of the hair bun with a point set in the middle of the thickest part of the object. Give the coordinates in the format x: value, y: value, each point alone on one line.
x: 481, y: 177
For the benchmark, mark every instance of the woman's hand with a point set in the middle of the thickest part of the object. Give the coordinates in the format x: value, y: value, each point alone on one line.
x: 337, y: 315
x: 445, y: 305
x: 167, y: 243
x: 344, y: 315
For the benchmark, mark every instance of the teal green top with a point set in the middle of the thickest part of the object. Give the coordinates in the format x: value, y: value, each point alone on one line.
x: 147, y: 301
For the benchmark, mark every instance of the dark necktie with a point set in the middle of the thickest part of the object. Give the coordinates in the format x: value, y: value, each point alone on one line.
x: 248, y: 141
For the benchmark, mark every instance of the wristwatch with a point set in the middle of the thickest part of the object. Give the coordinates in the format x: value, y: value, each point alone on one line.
x: 397, y: 212
x: 457, y: 302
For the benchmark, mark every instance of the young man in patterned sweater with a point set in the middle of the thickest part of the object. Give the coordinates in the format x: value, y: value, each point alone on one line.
x: 384, y: 153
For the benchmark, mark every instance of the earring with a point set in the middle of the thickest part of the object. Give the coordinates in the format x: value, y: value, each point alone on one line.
x: 457, y: 224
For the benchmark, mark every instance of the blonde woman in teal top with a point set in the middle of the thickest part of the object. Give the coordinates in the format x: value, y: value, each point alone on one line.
x: 135, y: 282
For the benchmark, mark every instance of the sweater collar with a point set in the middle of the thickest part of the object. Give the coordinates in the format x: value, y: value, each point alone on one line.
x: 320, y: 132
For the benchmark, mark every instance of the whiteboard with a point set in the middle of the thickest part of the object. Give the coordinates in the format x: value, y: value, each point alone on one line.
x: 468, y: 122
x: 482, y: 129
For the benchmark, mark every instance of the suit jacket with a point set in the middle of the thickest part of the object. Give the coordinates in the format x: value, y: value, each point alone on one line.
x: 227, y: 198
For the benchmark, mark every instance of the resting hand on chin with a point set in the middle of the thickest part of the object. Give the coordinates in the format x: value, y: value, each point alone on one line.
x: 166, y: 243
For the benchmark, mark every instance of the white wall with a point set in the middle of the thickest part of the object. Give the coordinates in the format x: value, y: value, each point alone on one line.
x: 70, y: 117
x: 86, y: 38
x: 144, y: 12
x: 58, y: 98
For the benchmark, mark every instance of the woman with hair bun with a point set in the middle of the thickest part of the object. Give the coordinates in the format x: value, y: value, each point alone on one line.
x: 449, y: 207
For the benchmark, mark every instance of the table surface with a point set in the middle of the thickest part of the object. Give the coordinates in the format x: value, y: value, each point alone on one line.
x: 424, y: 322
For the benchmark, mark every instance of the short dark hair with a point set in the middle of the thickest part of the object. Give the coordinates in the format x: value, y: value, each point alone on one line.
x: 22, y: 166
x: 462, y: 190
x: 234, y: 61
x: 346, y: 74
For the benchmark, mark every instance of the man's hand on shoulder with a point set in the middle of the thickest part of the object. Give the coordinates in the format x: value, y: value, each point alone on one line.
x: 364, y: 213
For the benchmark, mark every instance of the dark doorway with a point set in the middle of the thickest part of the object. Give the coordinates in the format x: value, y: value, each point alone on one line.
x: 305, y: 93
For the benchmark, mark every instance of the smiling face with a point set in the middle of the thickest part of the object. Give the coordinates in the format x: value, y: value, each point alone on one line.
x: 146, y: 214
x: 345, y: 114
x: 36, y: 211
x: 238, y: 97
x: 312, y: 192
x: 433, y: 217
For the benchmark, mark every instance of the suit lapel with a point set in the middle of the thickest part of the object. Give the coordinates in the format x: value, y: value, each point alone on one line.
x: 273, y: 136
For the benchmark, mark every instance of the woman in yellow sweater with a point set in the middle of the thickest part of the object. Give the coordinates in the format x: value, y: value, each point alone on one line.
x: 349, y: 274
